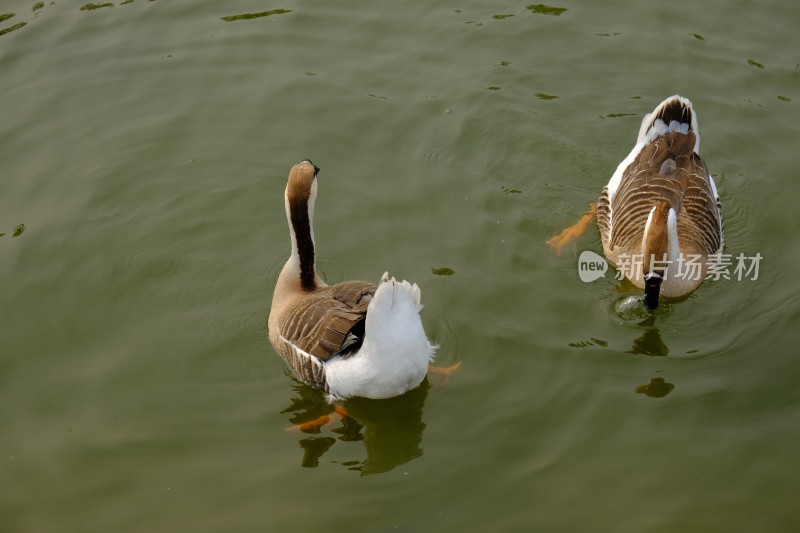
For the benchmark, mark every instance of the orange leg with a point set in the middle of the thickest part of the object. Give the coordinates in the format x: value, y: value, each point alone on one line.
x: 319, y: 421
x: 560, y: 241
x: 445, y: 371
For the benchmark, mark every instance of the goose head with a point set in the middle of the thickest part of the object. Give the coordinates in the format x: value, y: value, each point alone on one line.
x: 302, y: 185
x: 659, y: 250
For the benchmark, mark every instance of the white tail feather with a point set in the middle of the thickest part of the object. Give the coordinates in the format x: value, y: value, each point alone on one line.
x: 653, y: 126
x: 395, y: 354
x: 673, y: 114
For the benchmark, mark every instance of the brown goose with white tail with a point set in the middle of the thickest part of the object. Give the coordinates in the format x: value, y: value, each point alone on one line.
x: 660, y: 217
x: 660, y: 213
x: 354, y: 338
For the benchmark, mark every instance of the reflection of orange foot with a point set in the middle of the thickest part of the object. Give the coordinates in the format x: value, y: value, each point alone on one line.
x: 560, y: 241
x: 445, y: 371
x: 319, y: 421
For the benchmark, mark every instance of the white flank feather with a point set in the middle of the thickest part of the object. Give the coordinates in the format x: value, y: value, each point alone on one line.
x: 673, y: 246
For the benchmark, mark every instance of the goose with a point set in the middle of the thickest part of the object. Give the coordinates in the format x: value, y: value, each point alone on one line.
x: 354, y: 338
x: 660, y: 216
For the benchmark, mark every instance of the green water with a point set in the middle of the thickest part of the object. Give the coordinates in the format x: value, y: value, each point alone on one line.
x: 145, y: 148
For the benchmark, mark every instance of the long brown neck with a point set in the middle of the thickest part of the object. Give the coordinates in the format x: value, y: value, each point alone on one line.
x: 303, y: 241
x: 655, y: 245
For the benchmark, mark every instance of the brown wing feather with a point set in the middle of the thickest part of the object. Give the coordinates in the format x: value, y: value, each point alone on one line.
x: 701, y: 227
x: 666, y: 169
x: 330, y: 320
x: 604, y: 215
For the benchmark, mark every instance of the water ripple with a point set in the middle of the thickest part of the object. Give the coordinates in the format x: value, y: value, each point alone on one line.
x: 153, y: 264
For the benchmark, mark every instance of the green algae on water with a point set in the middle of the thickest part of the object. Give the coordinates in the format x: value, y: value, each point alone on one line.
x: 547, y: 10
x: 248, y: 16
x: 92, y: 7
x: 14, y: 27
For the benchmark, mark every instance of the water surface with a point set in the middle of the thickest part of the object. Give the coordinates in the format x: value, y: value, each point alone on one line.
x: 145, y: 147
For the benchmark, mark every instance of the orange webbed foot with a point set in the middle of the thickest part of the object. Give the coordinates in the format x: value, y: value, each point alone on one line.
x: 446, y: 371
x: 320, y: 420
x: 560, y: 241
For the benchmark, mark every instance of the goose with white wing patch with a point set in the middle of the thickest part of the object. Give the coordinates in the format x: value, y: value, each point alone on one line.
x: 660, y: 215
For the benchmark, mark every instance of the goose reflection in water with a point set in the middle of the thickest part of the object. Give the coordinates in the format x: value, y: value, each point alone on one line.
x: 657, y: 388
x: 651, y: 344
x: 390, y: 429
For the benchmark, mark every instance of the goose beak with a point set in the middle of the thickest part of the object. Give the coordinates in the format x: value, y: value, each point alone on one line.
x: 316, y: 168
x: 652, y: 287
